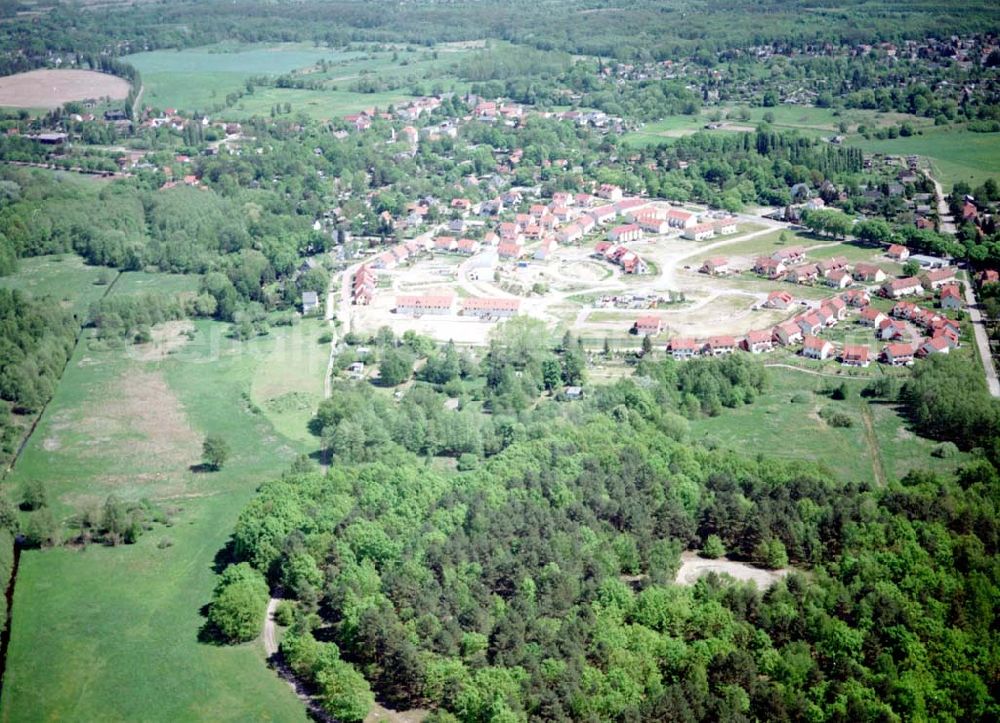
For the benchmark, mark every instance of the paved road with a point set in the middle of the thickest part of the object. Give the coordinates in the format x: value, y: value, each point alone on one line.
x: 975, y: 315
x: 982, y: 340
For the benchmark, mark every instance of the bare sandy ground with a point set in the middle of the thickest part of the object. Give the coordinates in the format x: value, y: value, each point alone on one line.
x: 693, y: 567
x: 50, y: 88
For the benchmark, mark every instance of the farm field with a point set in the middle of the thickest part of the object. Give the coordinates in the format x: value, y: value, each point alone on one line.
x: 954, y: 154
x: 120, y: 424
x: 49, y: 88
x: 882, y: 448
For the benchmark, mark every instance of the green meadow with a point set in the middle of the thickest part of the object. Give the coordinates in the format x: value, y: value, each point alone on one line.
x: 878, y: 446
x: 63, y: 277
x: 91, y: 622
x: 199, y: 78
x: 954, y: 153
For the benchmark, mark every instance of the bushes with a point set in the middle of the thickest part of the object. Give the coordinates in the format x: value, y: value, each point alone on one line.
x: 835, y: 418
x: 343, y: 691
x: 239, y: 604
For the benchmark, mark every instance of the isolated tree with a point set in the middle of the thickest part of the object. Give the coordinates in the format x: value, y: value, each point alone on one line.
x: 42, y: 529
x: 911, y: 268
x: 713, y: 548
x: 34, y: 496
x: 214, y: 452
x: 647, y: 345
x: 239, y: 603
x: 395, y: 367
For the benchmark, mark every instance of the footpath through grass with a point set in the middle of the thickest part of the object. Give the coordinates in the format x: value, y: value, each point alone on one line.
x: 111, y: 634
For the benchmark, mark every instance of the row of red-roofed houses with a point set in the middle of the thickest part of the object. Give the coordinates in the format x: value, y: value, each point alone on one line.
x: 628, y: 260
x: 444, y: 305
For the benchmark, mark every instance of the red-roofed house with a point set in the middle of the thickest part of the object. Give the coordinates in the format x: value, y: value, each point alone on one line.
x: 725, y: 226
x: 857, y: 298
x: 510, y: 250
x: 891, y: 329
x: 716, y: 266
x: 898, y: 252
x: 490, y: 308
x: 787, y: 333
x: 870, y: 316
x: 427, y: 304
x: 610, y: 191
x: 839, y: 279
x: 791, y: 255
x: 603, y: 214
x: 951, y: 297
x: 648, y: 325
x: 758, y: 341
x: 699, y: 232
x: 898, y: 355
x: 988, y: 276
x: 570, y: 234
x: 681, y: 219
x: 869, y: 272
x: 445, y: 243
x: 809, y: 323
x: 779, y: 300
x: 815, y: 348
x: 682, y: 348
x: 855, y: 355
x: 939, y: 277
x: 771, y: 268
x: 802, y: 274
x: 907, y: 286
x: 467, y: 246
x: 937, y: 345
x: 828, y: 266
x: 720, y: 345
x: 625, y: 233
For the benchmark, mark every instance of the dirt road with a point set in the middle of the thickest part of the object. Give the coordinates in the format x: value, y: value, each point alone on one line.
x: 982, y: 340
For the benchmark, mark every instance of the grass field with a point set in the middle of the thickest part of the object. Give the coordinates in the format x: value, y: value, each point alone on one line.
x: 138, y: 282
x: 289, y: 399
x: 199, y: 78
x: 64, y: 277
x: 954, y: 154
x: 112, y: 633
x: 882, y: 448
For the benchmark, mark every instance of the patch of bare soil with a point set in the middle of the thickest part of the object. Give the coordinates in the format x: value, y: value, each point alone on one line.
x: 49, y: 88
x: 168, y: 337
x: 693, y: 567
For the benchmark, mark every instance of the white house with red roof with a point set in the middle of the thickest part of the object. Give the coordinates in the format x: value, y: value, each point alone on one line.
x: 870, y: 316
x: 828, y: 266
x: 610, y: 192
x: 438, y: 304
x: 802, y: 274
x: 445, y: 243
x: 484, y: 308
x: 810, y: 323
x: 898, y: 252
x: 682, y: 348
x: 898, y: 355
x: 510, y: 250
x: 791, y: 255
x: 787, y: 333
x: 857, y: 298
x: 719, y: 346
x: 681, y: 219
x: 725, y: 226
x: 779, y: 300
x: 892, y: 329
x: 855, y: 355
x: 758, y: 341
x: 937, y: 278
x: 569, y: 234
x: 648, y: 325
x: 869, y: 273
x: 815, y: 348
x: 603, y: 214
x: 699, y: 232
x: 716, y: 266
x: 907, y: 286
x: 771, y: 268
x: 839, y: 279
x: 625, y: 233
